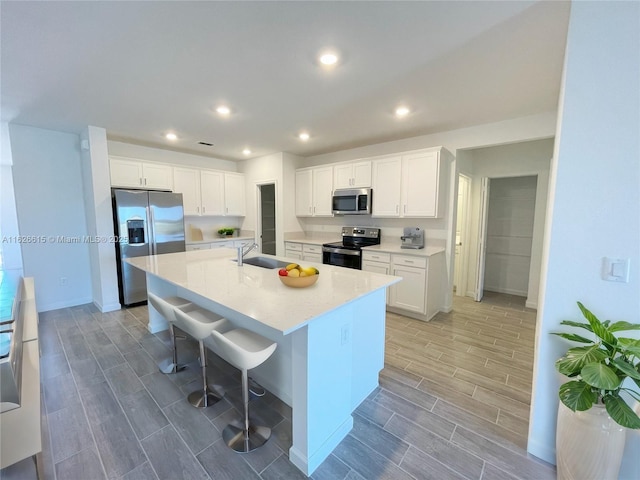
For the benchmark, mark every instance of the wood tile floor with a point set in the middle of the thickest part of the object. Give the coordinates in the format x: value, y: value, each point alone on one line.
x: 453, y: 403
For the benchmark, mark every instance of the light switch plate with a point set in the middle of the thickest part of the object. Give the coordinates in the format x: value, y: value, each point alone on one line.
x: 615, y: 269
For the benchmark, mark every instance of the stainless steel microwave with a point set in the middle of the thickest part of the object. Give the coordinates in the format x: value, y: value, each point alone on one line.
x: 351, y: 201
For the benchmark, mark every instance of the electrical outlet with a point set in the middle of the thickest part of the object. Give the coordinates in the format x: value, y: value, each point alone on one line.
x: 63, y: 281
x: 345, y: 334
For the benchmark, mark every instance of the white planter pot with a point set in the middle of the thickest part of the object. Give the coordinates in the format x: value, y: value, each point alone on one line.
x: 589, y: 444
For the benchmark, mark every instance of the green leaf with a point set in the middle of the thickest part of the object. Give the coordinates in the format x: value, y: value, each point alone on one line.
x: 625, y: 367
x: 600, y: 376
x: 576, y: 358
x: 621, y: 412
x: 623, y: 326
x: 577, y: 395
x: 571, y: 323
x: 597, y: 327
x: 629, y: 345
x: 573, y: 337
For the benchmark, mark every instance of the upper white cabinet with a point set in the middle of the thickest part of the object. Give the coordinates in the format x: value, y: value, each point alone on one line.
x: 352, y: 175
x: 210, y: 192
x: 410, y: 185
x: 386, y: 179
x: 126, y: 172
x: 234, y: 197
x: 314, y: 187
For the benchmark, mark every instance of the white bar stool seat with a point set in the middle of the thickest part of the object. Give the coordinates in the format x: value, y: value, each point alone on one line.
x: 245, y: 350
x: 165, y: 307
x: 199, y: 323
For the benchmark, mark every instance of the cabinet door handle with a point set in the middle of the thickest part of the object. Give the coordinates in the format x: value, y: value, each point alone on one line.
x: 397, y: 208
x: 310, y: 211
x: 198, y: 209
x: 140, y: 180
x: 203, y: 209
x: 314, y: 209
x: 145, y: 181
x: 405, y: 208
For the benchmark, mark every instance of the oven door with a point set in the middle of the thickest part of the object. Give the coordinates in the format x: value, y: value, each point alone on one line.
x: 342, y: 257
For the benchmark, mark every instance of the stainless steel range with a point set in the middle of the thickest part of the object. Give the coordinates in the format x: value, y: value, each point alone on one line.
x: 348, y: 253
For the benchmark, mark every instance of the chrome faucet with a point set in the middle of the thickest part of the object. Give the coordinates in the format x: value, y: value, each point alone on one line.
x: 242, y: 252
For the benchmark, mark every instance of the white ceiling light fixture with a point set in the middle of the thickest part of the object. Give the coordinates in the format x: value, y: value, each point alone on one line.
x: 304, y: 136
x: 328, y: 59
x: 402, y: 111
x: 246, y: 151
x: 223, y: 110
x: 171, y: 136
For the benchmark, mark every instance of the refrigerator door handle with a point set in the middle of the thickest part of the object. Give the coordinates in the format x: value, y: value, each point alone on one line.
x: 152, y: 234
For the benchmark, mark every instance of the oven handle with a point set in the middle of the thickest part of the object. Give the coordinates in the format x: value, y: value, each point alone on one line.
x: 341, y: 251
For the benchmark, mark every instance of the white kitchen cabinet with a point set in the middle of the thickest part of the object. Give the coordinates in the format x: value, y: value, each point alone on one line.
x: 190, y: 247
x: 420, y: 185
x: 212, y: 192
x: 312, y: 253
x: 131, y: 173
x: 352, y: 175
x: 208, y: 192
x: 377, y: 263
x: 411, y: 185
x: 234, y: 197
x: 386, y: 184
x: 409, y: 294
x: 187, y: 182
x: 314, y: 188
x: 293, y: 250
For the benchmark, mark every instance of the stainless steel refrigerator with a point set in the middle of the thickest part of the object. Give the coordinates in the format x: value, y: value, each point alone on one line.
x: 147, y: 223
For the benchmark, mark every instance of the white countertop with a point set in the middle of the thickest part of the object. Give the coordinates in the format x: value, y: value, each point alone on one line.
x: 218, y: 239
x: 257, y: 292
x: 317, y: 239
x: 427, y: 251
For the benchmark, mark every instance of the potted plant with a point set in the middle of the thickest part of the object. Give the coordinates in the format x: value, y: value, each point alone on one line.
x: 226, y: 232
x: 590, y: 441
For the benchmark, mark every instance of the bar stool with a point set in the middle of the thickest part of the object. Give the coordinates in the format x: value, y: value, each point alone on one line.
x: 199, y: 323
x: 244, y: 350
x: 165, y: 307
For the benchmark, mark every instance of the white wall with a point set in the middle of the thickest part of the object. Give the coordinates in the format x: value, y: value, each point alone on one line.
x: 141, y: 152
x: 98, y: 209
x: 518, y: 159
x: 594, y: 208
x: 11, y: 253
x: 50, y: 203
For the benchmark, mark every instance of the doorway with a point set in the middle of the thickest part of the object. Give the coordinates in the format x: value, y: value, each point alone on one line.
x: 506, y: 235
x: 461, y: 262
x: 267, y: 218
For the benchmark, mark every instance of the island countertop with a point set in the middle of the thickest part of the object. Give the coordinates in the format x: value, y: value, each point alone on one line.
x: 257, y: 292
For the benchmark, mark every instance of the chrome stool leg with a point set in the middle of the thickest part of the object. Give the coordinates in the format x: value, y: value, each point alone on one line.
x: 170, y: 365
x: 246, y: 437
x: 207, y: 396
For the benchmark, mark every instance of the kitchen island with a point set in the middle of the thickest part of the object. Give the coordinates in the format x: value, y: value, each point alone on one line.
x: 330, y: 336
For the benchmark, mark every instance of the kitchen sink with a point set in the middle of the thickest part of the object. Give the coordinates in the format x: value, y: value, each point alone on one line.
x: 264, y: 262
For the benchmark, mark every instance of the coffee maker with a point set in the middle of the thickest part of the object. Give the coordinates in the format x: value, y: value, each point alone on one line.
x: 413, y: 237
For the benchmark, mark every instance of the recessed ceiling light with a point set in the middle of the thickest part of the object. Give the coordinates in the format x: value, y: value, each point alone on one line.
x: 171, y: 136
x: 223, y: 110
x: 246, y: 151
x: 328, y: 58
x: 304, y: 136
x: 402, y: 111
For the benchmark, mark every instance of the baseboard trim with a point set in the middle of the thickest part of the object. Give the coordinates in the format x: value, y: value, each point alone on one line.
x: 46, y: 307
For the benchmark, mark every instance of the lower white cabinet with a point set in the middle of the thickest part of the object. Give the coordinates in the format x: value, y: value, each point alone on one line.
x: 197, y: 246
x: 420, y: 293
x: 308, y: 252
x: 410, y: 293
x: 312, y: 253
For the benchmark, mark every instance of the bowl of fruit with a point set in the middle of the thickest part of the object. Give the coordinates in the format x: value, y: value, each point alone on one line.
x: 293, y: 275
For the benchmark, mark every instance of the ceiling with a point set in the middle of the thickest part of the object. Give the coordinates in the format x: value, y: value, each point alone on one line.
x: 142, y: 69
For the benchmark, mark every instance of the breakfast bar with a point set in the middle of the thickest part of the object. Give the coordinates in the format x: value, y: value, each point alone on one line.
x: 330, y: 335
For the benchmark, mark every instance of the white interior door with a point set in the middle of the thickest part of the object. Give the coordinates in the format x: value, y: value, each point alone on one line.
x: 482, y: 237
x: 461, y: 267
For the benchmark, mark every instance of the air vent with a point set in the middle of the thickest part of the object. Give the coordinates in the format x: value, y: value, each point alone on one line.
x: 206, y: 143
